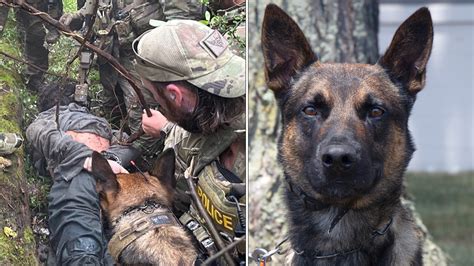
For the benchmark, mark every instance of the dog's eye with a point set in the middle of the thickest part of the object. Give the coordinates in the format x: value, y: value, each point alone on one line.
x: 376, y: 112
x: 310, y: 110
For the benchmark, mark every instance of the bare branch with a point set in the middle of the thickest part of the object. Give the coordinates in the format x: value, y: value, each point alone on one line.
x: 64, y: 30
x: 35, y: 66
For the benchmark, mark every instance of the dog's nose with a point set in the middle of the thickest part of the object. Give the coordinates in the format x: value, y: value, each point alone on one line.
x: 339, y: 157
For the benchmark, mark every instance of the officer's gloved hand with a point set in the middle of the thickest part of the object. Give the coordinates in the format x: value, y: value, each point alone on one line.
x: 72, y: 20
x: 122, y: 154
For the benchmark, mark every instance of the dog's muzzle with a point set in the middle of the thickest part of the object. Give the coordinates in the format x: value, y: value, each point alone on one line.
x: 339, y: 158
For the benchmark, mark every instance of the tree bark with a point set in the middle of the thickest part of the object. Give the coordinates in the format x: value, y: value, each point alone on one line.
x: 339, y: 31
x: 17, y: 242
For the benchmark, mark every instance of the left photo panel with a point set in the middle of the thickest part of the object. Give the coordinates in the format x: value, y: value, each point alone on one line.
x: 123, y: 132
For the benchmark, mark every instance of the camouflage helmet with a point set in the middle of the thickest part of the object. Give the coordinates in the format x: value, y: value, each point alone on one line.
x: 188, y: 50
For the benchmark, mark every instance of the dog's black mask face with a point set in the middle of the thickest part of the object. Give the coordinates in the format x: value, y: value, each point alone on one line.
x: 338, y: 122
x: 345, y: 125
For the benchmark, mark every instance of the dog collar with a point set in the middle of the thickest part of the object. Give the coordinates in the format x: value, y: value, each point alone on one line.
x: 313, y: 204
x: 153, y: 215
x: 309, y: 202
x: 315, y: 255
x: 148, y: 207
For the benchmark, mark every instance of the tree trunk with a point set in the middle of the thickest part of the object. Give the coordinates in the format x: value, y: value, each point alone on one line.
x: 339, y: 31
x: 17, y: 242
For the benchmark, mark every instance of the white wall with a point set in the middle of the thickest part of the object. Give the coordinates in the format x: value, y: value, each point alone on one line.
x: 442, y: 121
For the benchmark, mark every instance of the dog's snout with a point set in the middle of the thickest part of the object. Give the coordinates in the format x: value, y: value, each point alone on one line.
x: 339, y: 157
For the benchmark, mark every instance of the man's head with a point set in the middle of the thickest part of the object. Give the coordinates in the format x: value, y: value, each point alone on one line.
x: 192, y: 73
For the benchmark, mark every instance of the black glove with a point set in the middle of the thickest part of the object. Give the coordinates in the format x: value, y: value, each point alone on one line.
x: 72, y: 20
x: 122, y: 154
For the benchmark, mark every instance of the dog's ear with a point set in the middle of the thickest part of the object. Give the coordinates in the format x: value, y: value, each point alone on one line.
x: 106, y: 178
x: 285, y: 49
x: 164, y: 167
x: 407, y: 56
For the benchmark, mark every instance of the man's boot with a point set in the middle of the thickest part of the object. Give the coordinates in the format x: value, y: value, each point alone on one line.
x: 35, y: 82
x: 52, y: 36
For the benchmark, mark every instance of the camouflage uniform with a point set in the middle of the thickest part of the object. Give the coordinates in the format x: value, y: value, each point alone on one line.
x: 188, y: 50
x: 55, y: 10
x: 135, y: 22
x: 3, y: 17
x: 32, y: 34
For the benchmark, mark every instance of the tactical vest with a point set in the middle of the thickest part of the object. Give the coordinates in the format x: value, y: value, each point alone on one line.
x: 131, y: 18
x: 222, y: 193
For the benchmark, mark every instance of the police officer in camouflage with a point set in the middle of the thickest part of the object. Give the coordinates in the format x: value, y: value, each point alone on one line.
x: 200, y: 86
x: 120, y: 22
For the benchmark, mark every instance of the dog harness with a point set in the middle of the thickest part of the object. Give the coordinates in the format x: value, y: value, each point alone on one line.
x: 153, y: 215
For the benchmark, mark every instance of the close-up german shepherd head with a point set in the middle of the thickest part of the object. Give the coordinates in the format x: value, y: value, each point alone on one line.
x: 137, y: 210
x: 345, y: 143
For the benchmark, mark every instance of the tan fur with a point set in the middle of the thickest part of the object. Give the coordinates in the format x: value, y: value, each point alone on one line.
x: 167, y: 244
x: 346, y: 157
x: 134, y: 188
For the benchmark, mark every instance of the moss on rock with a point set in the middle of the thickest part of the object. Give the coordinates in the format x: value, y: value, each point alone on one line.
x: 17, y: 246
x: 18, y: 250
x: 9, y: 110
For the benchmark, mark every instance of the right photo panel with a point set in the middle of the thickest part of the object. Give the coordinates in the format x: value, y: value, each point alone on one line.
x: 340, y: 94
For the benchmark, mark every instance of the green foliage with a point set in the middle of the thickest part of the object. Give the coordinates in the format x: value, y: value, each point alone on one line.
x: 10, y: 36
x: 9, y: 69
x: 445, y: 204
x: 228, y: 23
x: 7, y: 124
x: 69, y: 6
x: 12, y: 251
x: 60, y: 53
x: 28, y: 102
x: 10, y: 77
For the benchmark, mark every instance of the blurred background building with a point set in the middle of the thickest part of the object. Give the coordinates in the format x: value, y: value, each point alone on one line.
x: 442, y: 123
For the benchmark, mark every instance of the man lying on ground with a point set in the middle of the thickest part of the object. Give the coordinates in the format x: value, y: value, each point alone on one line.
x: 63, y: 151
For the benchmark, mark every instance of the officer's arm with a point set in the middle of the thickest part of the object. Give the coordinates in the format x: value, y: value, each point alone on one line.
x: 87, y: 8
x: 75, y: 20
x: 155, y: 124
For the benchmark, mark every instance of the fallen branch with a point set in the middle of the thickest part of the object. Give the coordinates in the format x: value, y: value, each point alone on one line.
x: 35, y: 66
x: 221, y: 252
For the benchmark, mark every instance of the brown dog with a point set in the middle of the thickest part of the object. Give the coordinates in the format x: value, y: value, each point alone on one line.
x: 345, y: 144
x: 137, y: 209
